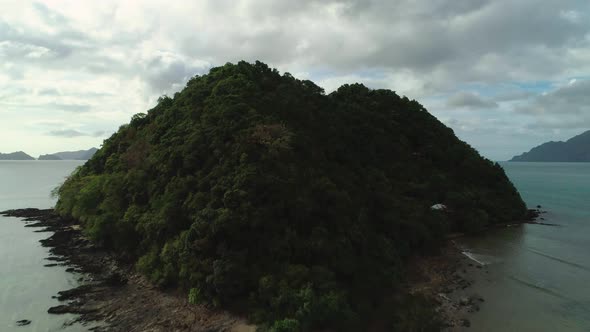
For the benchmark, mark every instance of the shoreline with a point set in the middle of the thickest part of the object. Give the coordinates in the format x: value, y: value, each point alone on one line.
x: 114, y: 297
x: 117, y: 298
x: 448, y: 278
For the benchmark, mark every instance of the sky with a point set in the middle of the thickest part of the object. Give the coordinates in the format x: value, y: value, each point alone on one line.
x: 505, y: 75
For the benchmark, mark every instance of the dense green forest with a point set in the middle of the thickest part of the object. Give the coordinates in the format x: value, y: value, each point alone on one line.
x: 256, y: 191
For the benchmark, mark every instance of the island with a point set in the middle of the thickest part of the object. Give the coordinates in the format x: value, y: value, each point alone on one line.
x: 256, y: 193
x: 576, y: 149
x: 70, y: 155
x: 48, y: 157
x: 19, y: 155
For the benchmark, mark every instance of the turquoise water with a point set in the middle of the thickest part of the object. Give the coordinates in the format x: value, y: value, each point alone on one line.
x: 539, y: 276
x: 26, y: 286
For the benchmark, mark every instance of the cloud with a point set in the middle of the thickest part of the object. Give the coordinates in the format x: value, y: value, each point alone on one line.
x: 72, y: 107
x: 570, y: 99
x: 513, y: 95
x: 469, y: 100
x: 98, y: 63
x: 164, y: 71
x: 565, y: 107
x: 48, y: 92
x: 71, y: 133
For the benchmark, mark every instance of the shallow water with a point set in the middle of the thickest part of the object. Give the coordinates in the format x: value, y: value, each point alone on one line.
x: 26, y: 286
x: 539, y: 275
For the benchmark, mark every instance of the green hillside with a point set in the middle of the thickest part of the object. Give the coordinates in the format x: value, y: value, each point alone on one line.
x: 256, y: 191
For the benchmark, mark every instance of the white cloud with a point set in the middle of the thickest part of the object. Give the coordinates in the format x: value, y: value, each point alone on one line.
x: 111, y: 59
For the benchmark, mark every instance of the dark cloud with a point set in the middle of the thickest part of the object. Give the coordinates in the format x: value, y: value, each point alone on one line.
x: 570, y: 99
x: 71, y: 133
x: 99, y: 133
x: 50, y: 16
x: 566, y: 107
x: 469, y: 100
x: 513, y: 95
x: 48, y: 92
x: 462, y: 40
x: 76, y: 108
x: 166, y: 70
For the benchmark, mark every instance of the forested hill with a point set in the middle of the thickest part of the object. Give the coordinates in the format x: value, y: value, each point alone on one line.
x: 256, y: 190
x: 576, y: 149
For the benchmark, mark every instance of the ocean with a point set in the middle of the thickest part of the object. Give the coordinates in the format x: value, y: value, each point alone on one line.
x: 26, y: 286
x: 538, y: 276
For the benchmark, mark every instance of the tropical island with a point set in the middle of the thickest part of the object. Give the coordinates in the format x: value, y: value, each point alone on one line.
x: 259, y: 193
x: 576, y: 149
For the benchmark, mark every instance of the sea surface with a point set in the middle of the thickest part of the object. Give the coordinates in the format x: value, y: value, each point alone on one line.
x: 26, y: 286
x: 539, y: 276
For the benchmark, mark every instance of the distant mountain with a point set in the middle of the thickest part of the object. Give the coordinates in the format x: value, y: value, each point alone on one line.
x: 15, y: 156
x: 49, y: 157
x: 576, y: 149
x: 70, y: 155
x: 89, y: 154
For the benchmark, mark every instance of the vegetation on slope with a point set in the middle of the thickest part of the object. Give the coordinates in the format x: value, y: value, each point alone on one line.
x: 256, y: 190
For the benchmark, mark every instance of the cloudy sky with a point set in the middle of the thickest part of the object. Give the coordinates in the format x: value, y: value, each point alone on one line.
x: 504, y: 74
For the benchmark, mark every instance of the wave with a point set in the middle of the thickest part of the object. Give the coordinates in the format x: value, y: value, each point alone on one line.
x: 473, y: 258
x: 557, y: 259
x: 538, y: 287
x: 480, y: 258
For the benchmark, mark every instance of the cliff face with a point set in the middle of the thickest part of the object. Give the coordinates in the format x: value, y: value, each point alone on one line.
x: 576, y: 149
x: 15, y: 156
x: 255, y: 189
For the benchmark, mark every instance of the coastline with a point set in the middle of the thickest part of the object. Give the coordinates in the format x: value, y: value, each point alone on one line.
x: 450, y: 278
x: 447, y: 279
x: 115, y: 298
x: 119, y: 299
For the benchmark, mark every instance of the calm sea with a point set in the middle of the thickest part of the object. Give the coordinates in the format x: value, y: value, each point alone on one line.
x: 26, y: 286
x: 539, y: 276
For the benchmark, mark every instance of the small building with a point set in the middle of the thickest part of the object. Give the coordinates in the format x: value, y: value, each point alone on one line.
x: 439, y: 207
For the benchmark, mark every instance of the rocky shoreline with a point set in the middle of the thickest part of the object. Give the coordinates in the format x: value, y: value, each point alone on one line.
x: 112, y: 296
x: 116, y: 298
x: 447, y: 278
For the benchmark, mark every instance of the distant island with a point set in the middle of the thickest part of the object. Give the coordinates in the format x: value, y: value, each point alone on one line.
x: 576, y: 149
x: 70, y: 155
x: 19, y: 155
x: 67, y: 155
